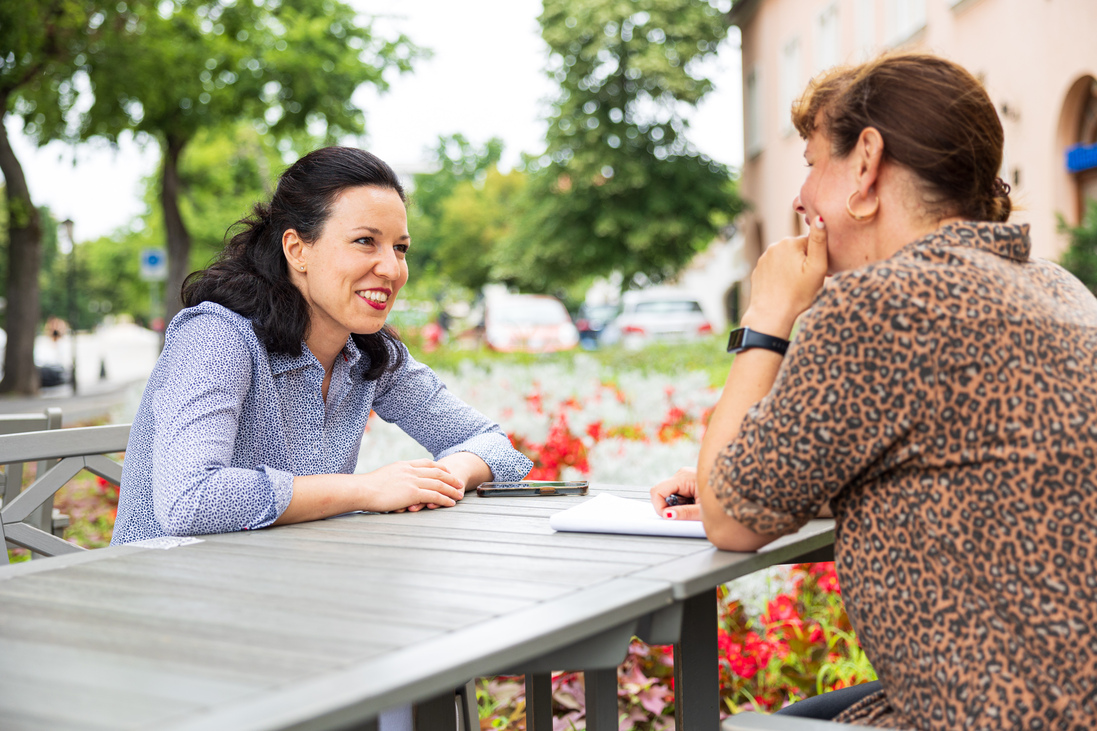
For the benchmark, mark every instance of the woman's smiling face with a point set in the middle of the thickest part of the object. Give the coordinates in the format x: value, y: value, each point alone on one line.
x: 357, y: 266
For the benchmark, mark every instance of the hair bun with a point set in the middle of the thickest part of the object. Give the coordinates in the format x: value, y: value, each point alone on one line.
x: 1001, y: 205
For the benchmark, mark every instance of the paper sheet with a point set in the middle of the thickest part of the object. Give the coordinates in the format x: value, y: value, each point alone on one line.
x: 164, y: 542
x: 612, y: 514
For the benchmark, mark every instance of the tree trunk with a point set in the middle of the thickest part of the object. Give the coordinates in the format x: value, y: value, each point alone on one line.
x: 24, y: 261
x: 178, y: 238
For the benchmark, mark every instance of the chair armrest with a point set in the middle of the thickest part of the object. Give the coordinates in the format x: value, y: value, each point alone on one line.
x: 763, y: 722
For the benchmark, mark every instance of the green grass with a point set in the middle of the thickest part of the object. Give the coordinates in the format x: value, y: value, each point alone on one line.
x: 706, y: 355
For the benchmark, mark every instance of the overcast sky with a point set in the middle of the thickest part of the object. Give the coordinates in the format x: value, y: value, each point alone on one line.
x: 486, y: 78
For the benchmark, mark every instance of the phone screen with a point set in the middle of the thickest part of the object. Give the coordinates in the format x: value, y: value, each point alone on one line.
x: 532, y: 488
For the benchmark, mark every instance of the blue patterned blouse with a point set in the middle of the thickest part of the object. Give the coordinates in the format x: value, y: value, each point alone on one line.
x: 224, y: 426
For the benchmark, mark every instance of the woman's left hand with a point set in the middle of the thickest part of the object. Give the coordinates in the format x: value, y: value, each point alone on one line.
x: 468, y: 468
x: 786, y: 280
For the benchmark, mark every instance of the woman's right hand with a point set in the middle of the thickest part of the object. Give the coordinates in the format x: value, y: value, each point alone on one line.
x: 412, y: 485
x: 684, y: 484
x: 786, y: 280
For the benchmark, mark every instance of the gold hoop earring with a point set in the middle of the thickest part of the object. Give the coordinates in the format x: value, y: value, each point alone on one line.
x: 862, y: 217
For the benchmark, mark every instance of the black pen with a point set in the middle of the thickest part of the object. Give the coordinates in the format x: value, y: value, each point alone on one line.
x: 676, y: 499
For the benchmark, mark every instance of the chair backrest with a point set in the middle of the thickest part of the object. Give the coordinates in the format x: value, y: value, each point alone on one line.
x: 11, y: 476
x: 11, y: 479
x: 76, y: 449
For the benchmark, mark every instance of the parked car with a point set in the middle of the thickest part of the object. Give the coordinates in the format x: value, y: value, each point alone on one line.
x: 657, y: 315
x: 591, y: 321
x: 528, y: 323
x: 50, y: 372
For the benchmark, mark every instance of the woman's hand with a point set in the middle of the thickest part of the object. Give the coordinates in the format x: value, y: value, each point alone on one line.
x: 683, y: 483
x: 412, y: 486
x: 396, y: 487
x: 786, y: 280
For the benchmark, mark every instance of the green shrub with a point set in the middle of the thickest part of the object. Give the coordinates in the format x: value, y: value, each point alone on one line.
x: 1080, y: 259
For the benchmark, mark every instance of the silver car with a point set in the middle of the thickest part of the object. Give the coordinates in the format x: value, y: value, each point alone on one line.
x: 658, y: 315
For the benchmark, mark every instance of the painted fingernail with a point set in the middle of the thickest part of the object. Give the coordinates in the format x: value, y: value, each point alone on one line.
x: 819, y: 223
x: 669, y: 514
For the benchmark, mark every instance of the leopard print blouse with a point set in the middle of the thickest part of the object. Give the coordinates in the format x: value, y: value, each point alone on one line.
x: 944, y: 401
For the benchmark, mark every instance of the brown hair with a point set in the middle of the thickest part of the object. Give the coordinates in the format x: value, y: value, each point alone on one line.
x: 935, y: 118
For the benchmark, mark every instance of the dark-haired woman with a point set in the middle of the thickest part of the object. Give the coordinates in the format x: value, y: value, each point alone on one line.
x: 939, y: 396
x: 256, y: 409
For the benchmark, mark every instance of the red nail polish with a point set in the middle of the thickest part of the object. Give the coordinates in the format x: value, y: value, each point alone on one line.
x: 668, y: 514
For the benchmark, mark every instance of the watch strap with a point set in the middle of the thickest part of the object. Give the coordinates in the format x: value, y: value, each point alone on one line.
x: 744, y: 338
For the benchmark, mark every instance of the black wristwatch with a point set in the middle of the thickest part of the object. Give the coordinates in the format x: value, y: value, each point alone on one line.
x: 744, y: 339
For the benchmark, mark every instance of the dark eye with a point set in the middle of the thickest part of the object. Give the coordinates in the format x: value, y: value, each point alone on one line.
x: 402, y: 248
x: 366, y: 240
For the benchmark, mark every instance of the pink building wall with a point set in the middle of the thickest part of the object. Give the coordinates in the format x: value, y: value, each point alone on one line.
x: 1037, y: 58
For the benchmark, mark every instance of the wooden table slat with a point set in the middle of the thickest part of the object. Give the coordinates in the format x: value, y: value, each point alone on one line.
x: 426, y: 670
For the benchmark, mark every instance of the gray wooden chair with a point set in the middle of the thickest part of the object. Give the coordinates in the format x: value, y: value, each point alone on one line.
x: 75, y: 450
x: 11, y: 476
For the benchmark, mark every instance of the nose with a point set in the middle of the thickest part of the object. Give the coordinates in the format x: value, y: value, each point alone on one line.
x: 388, y: 265
x: 798, y: 206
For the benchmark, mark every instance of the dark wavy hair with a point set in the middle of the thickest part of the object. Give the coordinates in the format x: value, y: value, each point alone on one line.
x: 251, y: 275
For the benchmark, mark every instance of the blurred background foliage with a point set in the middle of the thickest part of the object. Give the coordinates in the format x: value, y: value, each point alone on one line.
x: 241, y: 89
x: 1080, y: 258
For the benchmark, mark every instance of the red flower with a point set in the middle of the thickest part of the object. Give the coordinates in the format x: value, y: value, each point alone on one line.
x: 781, y: 610
x: 675, y: 425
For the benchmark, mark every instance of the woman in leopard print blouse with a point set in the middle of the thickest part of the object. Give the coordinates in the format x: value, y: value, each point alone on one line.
x: 940, y: 396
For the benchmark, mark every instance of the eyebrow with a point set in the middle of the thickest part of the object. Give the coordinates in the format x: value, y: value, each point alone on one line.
x: 378, y: 232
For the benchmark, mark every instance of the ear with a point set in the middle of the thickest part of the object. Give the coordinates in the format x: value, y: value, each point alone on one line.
x: 294, y: 249
x: 867, y: 157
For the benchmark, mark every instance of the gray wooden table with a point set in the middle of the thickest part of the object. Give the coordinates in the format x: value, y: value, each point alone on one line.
x: 324, y: 625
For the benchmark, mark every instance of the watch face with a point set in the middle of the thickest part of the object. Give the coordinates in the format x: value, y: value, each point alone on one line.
x: 736, y: 339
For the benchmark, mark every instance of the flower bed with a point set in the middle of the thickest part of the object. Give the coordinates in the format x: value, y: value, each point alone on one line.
x: 577, y: 420
x: 801, y: 644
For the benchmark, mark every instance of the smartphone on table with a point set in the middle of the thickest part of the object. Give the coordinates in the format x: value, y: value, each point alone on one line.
x: 532, y: 488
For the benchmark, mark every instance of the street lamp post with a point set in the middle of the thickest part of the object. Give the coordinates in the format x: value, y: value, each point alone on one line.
x: 68, y: 225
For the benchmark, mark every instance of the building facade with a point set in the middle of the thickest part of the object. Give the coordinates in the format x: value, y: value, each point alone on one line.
x: 1037, y: 59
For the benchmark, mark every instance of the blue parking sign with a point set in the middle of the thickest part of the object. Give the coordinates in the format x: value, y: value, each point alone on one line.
x: 154, y: 265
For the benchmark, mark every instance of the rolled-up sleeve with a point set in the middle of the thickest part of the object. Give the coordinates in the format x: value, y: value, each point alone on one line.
x: 195, y: 488
x: 847, y: 396
x: 416, y: 400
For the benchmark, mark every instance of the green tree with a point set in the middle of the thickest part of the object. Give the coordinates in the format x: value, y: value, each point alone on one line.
x: 1080, y: 258
x: 173, y: 68
x: 458, y: 163
x: 42, y: 43
x: 475, y: 218
x: 223, y: 175
x: 620, y: 187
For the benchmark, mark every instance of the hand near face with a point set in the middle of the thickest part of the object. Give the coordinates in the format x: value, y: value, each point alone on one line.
x: 786, y: 280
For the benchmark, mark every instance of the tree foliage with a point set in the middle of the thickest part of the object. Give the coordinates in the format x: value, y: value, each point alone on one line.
x: 224, y: 173
x: 173, y: 68
x: 1080, y: 258
x: 620, y: 187
x: 476, y: 218
x: 458, y: 213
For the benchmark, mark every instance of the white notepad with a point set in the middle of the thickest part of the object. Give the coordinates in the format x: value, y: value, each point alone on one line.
x: 612, y: 514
